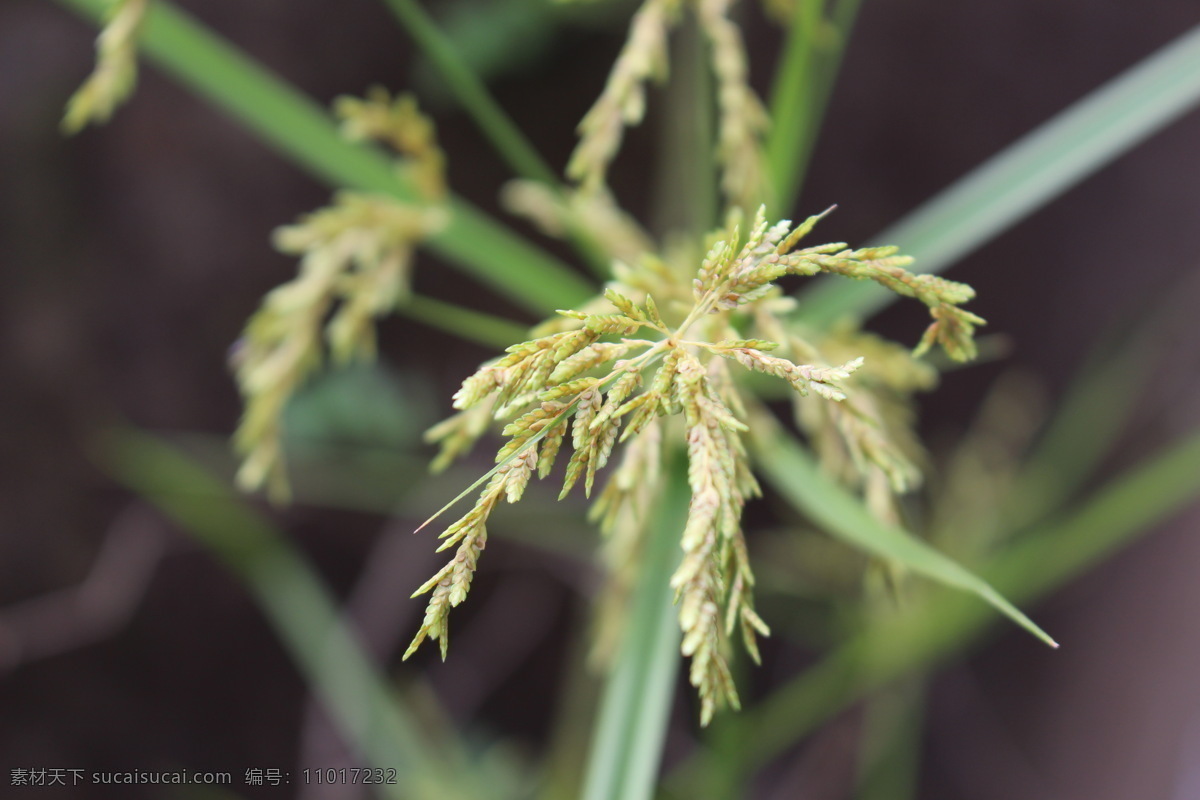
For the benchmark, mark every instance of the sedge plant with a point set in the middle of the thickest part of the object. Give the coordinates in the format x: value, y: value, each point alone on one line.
x: 617, y: 370
x: 666, y: 370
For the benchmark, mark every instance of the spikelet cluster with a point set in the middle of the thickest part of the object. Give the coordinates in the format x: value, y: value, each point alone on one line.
x: 398, y: 123
x: 867, y: 441
x: 624, y: 372
x: 769, y: 255
x: 742, y: 120
x: 623, y: 101
x: 115, y: 74
x: 355, y: 258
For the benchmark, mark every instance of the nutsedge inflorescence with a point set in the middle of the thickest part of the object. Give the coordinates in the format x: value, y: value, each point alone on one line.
x: 641, y: 373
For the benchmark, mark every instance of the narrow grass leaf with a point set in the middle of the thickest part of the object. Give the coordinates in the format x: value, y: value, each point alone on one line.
x: 465, y: 323
x: 1040, y: 561
x: 631, y: 728
x: 1030, y: 173
x: 295, y: 602
x: 787, y: 467
x: 496, y: 125
x: 300, y: 130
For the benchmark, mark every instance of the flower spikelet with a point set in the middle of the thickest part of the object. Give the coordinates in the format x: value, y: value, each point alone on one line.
x: 713, y: 527
x: 623, y: 101
x: 802, y: 377
x: 450, y: 585
x: 743, y: 120
x: 538, y: 382
x: 115, y: 74
x: 457, y: 434
x: 867, y: 440
x: 733, y: 276
x: 613, y: 232
x: 355, y: 258
x: 399, y: 123
x: 953, y: 327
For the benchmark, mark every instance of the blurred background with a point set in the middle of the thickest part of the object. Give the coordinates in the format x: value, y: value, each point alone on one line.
x: 132, y: 254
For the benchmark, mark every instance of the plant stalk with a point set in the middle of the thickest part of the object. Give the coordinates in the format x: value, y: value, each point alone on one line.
x: 495, y: 124
x: 631, y: 728
x: 499, y: 128
x: 808, y: 68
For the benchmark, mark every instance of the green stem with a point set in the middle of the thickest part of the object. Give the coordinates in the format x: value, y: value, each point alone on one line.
x: 804, y: 81
x: 791, y: 105
x: 465, y: 323
x: 632, y: 725
x: 491, y: 119
x: 1030, y: 173
x: 495, y: 124
x: 562, y: 767
x: 890, y: 755
x: 299, y: 129
x: 685, y: 187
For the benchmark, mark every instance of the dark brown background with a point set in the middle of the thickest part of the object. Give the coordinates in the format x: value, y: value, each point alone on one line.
x: 131, y: 255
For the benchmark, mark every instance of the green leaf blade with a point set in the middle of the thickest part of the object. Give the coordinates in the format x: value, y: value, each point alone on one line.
x: 631, y: 727
x: 1019, y: 180
x: 299, y: 129
x: 794, y: 474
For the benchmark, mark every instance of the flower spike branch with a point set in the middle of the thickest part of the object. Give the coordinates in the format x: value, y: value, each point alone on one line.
x: 622, y: 103
x: 113, y: 79
x: 355, y: 256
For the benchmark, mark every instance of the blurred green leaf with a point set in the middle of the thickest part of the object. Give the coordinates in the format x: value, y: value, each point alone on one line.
x: 296, y: 127
x: 890, y: 759
x: 632, y: 725
x: 1096, y: 406
x: 361, y: 404
x: 1030, y: 173
x: 943, y: 624
x: 808, y: 67
x: 298, y: 606
x: 794, y: 474
x: 464, y: 323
